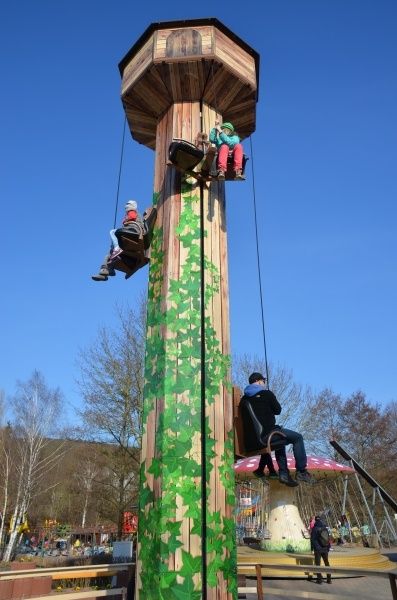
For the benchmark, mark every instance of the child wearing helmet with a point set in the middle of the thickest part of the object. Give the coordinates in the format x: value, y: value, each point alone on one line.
x: 228, y: 143
x: 131, y: 216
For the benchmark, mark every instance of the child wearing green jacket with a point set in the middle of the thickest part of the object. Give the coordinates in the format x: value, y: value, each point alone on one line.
x: 228, y: 143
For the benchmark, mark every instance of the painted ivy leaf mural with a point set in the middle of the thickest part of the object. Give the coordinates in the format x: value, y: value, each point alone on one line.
x: 173, y: 394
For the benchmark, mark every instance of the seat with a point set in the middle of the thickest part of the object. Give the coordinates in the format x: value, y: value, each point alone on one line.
x: 135, y: 240
x: 129, y: 264
x: 184, y: 155
x: 244, y: 419
x: 200, y: 163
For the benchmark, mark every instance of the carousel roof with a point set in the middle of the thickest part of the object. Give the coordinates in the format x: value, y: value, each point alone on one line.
x: 317, y: 465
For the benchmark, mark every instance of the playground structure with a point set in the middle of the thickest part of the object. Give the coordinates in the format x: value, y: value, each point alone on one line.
x: 279, y: 526
x: 286, y: 532
x: 177, y: 81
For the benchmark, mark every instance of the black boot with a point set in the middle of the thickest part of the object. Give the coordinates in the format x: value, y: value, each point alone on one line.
x: 286, y: 479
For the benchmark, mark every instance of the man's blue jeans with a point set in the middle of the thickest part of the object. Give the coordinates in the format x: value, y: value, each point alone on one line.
x: 298, y: 446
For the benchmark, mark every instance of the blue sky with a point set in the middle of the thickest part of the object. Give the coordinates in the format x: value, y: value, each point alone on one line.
x: 324, y: 158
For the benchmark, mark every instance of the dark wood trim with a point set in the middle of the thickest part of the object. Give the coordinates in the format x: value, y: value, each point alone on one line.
x: 190, y: 23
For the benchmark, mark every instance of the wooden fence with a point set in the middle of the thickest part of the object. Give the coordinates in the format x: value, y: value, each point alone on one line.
x: 16, y: 585
x: 38, y: 583
x: 257, y: 571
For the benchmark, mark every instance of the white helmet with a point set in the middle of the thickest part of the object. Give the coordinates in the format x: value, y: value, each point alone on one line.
x: 131, y: 205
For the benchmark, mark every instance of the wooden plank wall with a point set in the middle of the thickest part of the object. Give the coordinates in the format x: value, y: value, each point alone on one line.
x: 223, y: 75
x: 160, y: 41
x: 138, y: 65
x: 183, y: 120
x: 239, y: 61
x: 220, y: 413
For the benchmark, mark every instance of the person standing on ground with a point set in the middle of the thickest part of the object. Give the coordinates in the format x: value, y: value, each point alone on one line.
x: 320, y: 544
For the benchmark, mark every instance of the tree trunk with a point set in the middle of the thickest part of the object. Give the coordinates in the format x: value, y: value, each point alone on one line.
x: 6, y: 474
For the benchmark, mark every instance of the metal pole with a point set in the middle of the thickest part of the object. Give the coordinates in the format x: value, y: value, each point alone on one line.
x: 371, y: 517
x: 344, y: 495
x: 387, y: 516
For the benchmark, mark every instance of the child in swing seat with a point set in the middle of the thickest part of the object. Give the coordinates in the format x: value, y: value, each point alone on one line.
x: 228, y: 143
x: 131, y: 216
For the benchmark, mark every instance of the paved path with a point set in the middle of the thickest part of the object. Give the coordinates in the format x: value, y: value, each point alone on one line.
x: 348, y: 588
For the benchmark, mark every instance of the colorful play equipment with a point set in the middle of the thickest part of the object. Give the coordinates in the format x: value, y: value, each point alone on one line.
x: 286, y: 530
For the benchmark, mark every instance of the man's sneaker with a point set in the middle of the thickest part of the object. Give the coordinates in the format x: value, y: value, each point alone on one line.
x: 305, y: 477
x: 286, y: 479
x: 238, y: 174
x: 99, y: 277
x: 221, y: 174
x: 104, y: 271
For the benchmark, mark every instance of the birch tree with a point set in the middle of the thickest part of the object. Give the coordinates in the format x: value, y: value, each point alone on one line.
x: 36, y: 409
x: 111, y: 384
x: 5, y: 470
x: 85, y: 479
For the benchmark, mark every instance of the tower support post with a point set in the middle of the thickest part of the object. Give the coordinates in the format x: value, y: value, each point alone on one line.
x: 186, y: 535
x: 177, y: 80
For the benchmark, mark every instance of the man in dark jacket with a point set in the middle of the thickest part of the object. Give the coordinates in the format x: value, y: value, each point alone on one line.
x: 262, y: 422
x: 319, y: 540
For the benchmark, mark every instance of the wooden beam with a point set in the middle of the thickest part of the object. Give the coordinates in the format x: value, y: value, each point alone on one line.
x: 89, y: 594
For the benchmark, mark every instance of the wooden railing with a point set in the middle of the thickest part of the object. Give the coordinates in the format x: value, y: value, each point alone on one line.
x: 257, y: 569
x: 90, y: 594
x: 38, y: 581
x: 75, y: 572
x: 91, y: 571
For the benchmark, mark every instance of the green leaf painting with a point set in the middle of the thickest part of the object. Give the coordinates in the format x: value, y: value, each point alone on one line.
x: 173, y: 392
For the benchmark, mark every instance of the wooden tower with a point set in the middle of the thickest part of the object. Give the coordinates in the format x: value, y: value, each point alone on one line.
x: 176, y: 80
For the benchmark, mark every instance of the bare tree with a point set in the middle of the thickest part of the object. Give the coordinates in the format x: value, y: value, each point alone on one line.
x: 36, y: 408
x: 365, y: 430
x: 85, y: 478
x: 290, y: 394
x: 389, y: 450
x: 322, y: 421
x: 5, y: 470
x: 111, y: 383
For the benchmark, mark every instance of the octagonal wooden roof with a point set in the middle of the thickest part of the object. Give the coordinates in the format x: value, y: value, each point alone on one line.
x: 189, y: 61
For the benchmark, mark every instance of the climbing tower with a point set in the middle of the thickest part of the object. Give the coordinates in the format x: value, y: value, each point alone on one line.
x: 177, y: 80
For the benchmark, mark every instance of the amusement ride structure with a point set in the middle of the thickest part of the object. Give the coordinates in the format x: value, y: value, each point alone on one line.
x: 179, y: 81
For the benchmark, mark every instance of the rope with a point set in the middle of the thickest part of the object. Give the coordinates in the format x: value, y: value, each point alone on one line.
x: 119, y: 177
x: 214, y: 92
x: 204, y: 573
x: 258, y: 263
